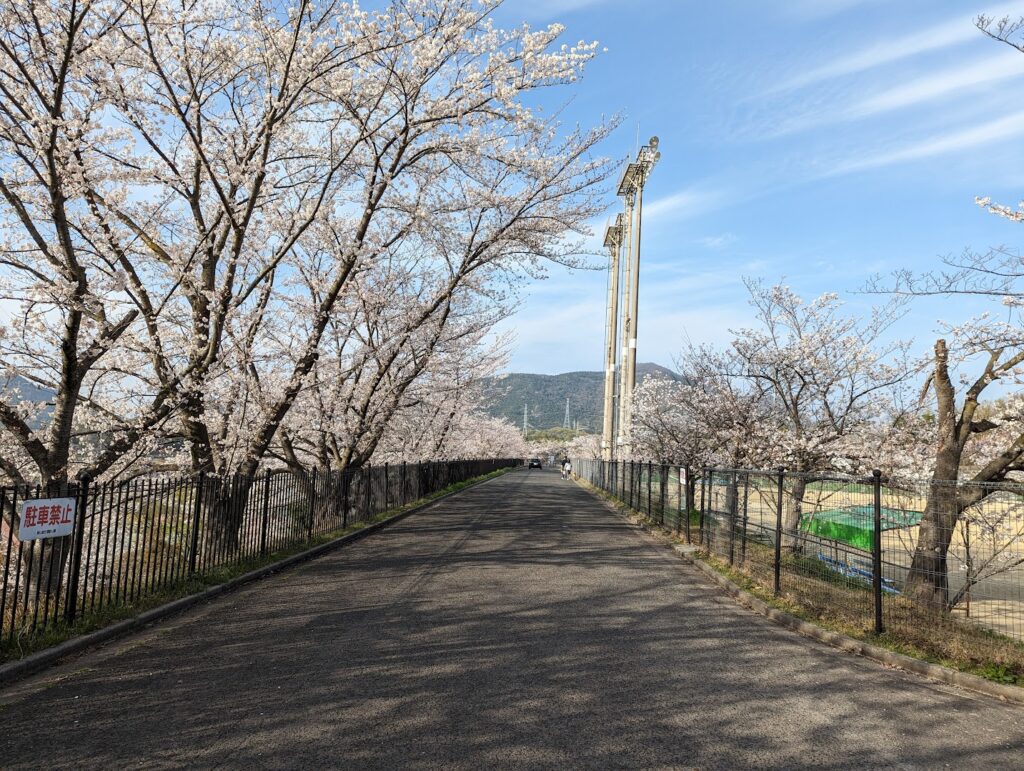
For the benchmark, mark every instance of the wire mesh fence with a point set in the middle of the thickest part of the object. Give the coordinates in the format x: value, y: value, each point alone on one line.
x: 135, y: 538
x: 924, y: 558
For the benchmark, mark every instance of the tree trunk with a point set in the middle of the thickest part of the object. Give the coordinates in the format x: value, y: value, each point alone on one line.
x: 732, y: 495
x: 43, y: 561
x: 326, y: 495
x: 791, y: 516
x: 928, y: 580
x: 226, y: 501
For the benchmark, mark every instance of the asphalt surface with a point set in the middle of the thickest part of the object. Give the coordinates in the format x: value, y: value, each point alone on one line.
x: 520, y: 623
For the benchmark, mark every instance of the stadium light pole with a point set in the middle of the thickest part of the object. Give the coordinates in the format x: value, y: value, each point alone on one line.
x: 631, y: 187
x: 624, y: 326
x: 613, y: 242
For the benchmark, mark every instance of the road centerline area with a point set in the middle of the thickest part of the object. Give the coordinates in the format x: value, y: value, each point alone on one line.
x: 517, y: 623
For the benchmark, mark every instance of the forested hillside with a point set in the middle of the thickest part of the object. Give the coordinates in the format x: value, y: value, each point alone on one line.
x: 545, y: 395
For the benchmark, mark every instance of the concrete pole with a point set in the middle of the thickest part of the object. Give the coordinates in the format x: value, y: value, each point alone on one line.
x: 613, y: 240
x: 634, y: 297
x: 622, y: 449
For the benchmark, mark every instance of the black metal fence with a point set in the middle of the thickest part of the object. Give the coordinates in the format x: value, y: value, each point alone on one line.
x: 846, y: 548
x: 139, y: 537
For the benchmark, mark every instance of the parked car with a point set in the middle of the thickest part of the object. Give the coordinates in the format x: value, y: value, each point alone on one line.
x: 535, y: 463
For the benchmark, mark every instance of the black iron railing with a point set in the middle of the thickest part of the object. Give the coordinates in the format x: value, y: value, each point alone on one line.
x: 145, y: 536
x: 846, y: 548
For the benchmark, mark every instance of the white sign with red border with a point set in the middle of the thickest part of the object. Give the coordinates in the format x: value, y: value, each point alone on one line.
x: 46, y: 518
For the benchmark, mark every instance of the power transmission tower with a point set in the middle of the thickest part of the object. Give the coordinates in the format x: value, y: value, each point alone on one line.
x: 566, y: 423
x: 526, y: 414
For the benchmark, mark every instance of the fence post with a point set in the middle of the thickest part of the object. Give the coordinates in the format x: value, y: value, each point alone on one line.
x: 367, y: 483
x: 404, y: 499
x: 638, y: 486
x: 777, y: 586
x: 663, y: 484
x: 387, y: 491
x: 76, y: 557
x: 266, y: 515
x: 650, y: 480
x: 196, y: 515
x: 679, y: 496
x: 312, y: 505
x: 346, y: 483
x: 686, y: 502
x: 734, y: 496
x: 636, y: 480
x: 633, y: 484
x: 704, y: 474
x: 876, y: 551
x: 746, y: 512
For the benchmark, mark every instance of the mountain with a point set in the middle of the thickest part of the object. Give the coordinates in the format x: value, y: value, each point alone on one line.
x: 546, y: 395
x: 25, y: 389
x: 17, y: 389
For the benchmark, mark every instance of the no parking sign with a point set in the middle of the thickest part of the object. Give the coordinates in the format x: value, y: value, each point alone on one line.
x: 46, y: 518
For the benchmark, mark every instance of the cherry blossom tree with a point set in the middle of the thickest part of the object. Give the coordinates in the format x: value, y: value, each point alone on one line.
x: 831, y: 378
x: 220, y: 187
x: 972, y: 434
x: 584, y: 446
x: 59, y: 267
x: 709, y: 419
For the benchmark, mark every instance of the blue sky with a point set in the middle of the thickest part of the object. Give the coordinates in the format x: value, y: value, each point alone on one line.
x: 815, y: 141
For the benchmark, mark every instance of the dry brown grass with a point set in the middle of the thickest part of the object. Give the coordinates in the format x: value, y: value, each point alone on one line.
x: 832, y: 601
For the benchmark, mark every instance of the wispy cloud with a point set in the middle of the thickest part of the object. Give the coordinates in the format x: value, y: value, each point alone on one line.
x: 548, y: 8
x: 683, y: 203
x: 944, y: 85
x: 992, y: 69
x: 944, y: 35
x: 820, y: 9
x: 717, y: 242
x: 986, y: 133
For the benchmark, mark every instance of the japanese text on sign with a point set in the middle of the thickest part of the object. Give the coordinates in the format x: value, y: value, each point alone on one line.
x: 46, y: 518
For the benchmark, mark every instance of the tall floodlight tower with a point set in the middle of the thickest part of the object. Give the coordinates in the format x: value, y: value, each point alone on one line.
x: 626, y: 268
x: 631, y: 187
x: 613, y: 242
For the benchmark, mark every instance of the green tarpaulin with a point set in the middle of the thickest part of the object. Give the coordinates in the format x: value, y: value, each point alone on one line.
x: 855, y: 524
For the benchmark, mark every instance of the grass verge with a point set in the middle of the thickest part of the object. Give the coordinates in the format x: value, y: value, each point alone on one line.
x: 813, y: 593
x: 23, y: 644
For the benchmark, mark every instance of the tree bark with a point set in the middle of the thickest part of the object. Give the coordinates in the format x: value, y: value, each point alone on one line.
x: 226, y: 501
x: 791, y: 517
x: 928, y: 580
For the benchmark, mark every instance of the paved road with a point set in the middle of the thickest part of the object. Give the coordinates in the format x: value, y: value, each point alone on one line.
x: 518, y: 624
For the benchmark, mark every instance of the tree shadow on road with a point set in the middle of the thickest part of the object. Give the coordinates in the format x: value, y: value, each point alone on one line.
x: 520, y: 624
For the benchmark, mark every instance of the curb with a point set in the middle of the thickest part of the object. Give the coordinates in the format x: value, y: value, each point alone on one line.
x: 13, y: 671
x: 1010, y: 693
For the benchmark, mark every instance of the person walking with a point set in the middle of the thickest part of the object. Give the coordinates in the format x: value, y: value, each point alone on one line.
x: 566, y: 468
